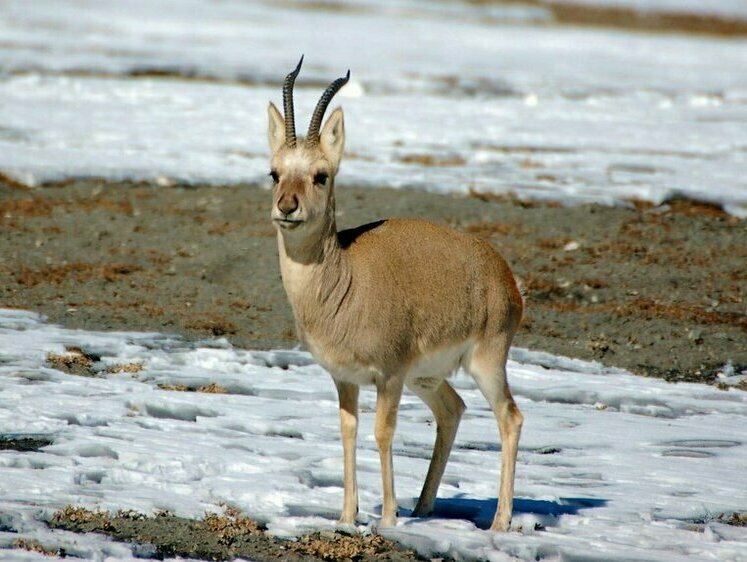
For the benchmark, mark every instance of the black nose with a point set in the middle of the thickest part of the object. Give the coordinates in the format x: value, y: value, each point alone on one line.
x: 288, y: 204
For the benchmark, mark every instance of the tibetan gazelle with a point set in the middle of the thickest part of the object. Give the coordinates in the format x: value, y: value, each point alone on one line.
x: 392, y: 303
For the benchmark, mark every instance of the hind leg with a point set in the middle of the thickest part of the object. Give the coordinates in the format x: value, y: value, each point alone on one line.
x: 447, y: 408
x: 487, y: 365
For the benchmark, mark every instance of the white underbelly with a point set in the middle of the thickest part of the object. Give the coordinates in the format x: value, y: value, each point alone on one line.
x: 429, y: 369
x: 342, y: 366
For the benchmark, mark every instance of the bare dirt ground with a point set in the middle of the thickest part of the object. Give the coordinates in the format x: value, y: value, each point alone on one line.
x: 659, y: 291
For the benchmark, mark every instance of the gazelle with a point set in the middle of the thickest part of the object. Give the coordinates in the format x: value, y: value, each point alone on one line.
x: 392, y: 303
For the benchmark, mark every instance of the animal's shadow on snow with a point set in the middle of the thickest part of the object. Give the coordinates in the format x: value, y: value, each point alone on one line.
x: 543, y: 513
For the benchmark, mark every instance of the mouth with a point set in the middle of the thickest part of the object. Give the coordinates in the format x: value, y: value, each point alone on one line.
x: 289, y: 224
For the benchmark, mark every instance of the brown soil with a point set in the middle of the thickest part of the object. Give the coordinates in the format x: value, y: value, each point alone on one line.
x: 660, y: 291
x: 631, y: 18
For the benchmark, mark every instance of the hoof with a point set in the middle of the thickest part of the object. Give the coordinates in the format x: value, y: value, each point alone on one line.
x: 389, y: 521
x: 500, y: 526
x: 421, y: 512
x: 346, y: 520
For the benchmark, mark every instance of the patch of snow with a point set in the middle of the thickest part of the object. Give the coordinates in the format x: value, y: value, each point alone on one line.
x: 249, y: 41
x: 609, y: 464
x: 608, y: 148
x: 546, y: 112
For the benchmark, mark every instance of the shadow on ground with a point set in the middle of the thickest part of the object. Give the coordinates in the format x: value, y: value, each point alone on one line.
x: 480, y: 512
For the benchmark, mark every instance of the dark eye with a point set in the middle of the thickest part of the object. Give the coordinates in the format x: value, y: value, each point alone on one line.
x: 320, y: 178
x: 274, y: 176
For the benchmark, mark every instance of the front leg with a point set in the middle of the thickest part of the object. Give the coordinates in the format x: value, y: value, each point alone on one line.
x: 388, y: 395
x: 348, y: 396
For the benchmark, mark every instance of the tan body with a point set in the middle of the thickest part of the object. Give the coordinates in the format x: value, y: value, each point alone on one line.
x: 392, y: 304
x: 394, y: 299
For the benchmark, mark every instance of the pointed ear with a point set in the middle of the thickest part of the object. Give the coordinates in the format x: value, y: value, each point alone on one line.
x: 332, y: 138
x: 275, y: 128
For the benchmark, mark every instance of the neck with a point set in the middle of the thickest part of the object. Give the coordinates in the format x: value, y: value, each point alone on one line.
x: 308, y: 256
x: 309, y: 248
x: 316, y: 275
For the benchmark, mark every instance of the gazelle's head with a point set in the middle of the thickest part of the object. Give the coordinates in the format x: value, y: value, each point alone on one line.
x: 303, y: 170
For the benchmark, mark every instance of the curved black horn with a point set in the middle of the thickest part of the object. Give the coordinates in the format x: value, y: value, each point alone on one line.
x: 312, y: 138
x: 290, y: 118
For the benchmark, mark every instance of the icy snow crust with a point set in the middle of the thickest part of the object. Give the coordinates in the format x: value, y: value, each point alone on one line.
x: 611, y: 466
x: 562, y: 113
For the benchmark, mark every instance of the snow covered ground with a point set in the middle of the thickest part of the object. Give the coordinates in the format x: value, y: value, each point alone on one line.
x: 611, y: 466
x: 446, y: 100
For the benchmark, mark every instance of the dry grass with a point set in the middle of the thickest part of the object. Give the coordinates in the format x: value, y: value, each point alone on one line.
x: 41, y: 206
x: 33, y: 545
x: 211, y: 388
x: 78, y: 271
x: 240, y: 304
x: 131, y: 368
x: 337, y: 546
x: 510, y: 198
x: 488, y: 229
x: 123, y: 206
x: 541, y: 288
x: 645, y: 308
x: 81, y: 516
x: 553, y: 242
x: 55, y: 274
x: 681, y: 206
x: 231, y: 525
x: 692, y: 208
x: 736, y: 518
x: 595, y: 283
x: 654, y: 309
x: 74, y: 362
x: 432, y: 160
x: 113, y: 271
x: 159, y: 258
x: 29, y: 207
x: 174, y: 387
x: 224, y: 228
x: 640, y: 20
x: 215, y: 324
